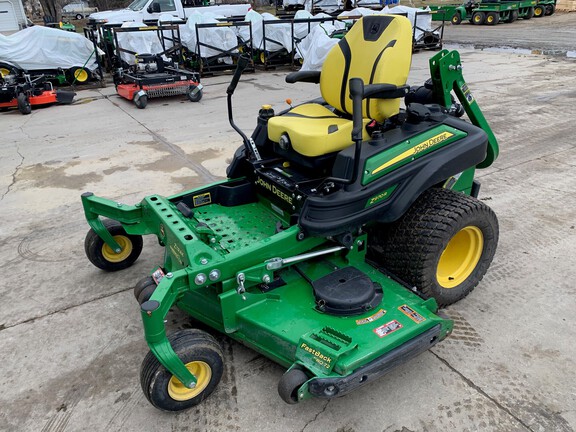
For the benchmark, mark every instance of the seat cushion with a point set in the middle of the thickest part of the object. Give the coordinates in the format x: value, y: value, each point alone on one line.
x: 313, y: 130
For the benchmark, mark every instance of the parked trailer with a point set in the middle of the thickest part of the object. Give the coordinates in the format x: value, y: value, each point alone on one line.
x: 477, y: 13
x: 525, y: 8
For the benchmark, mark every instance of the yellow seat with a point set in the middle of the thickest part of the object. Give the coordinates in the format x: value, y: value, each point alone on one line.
x: 377, y: 49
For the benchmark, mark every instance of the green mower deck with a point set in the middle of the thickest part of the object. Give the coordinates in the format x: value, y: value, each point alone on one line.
x: 277, y: 314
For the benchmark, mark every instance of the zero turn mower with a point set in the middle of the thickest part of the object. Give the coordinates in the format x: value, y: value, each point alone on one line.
x: 20, y: 91
x: 344, y: 224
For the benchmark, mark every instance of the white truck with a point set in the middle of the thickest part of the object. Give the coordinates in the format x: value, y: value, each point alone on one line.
x: 148, y: 11
x: 78, y: 10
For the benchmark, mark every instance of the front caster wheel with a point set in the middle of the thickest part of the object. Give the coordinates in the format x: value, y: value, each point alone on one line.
x: 104, y: 257
x: 194, y: 94
x: 289, y: 384
x: 144, y: 289
x: 202, y: 356
x: 443, y: 245
x: 140, y: 100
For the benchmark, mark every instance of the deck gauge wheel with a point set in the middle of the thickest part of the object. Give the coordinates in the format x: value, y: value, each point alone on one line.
x: 202, y: 356
x: 104, y: 257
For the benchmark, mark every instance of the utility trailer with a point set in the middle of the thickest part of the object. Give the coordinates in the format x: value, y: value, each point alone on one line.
x: 478, y: 13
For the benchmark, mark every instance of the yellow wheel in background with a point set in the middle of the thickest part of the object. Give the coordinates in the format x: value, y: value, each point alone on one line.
x: 4, y: 72
x: 81, y: 75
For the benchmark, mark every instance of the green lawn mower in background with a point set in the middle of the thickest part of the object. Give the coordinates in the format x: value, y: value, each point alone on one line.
x: 344, y: 224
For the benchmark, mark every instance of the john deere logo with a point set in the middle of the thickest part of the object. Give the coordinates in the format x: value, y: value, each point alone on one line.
x: 413, y: 151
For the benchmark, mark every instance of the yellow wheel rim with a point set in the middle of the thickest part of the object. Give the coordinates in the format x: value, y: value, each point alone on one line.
x: 262, y: 58
x: 490, y: 20
x: 477, y: 18
x: 460, y: 257
x: 81, y: 75
x: 111, y: 256
x: 538, y: 12
x: 4, y: 72
x: 203, y: 374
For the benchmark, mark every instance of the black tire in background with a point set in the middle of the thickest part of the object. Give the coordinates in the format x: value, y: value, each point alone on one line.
x: 539, y: 11
x: 9, y: 69
x: 194, y: 97
x: 478, y: 18
x: 77, y: 75
x: 513, y: 16
x: 492, y: 18
x: 23, y: 104
x: 141, y: 102
x: 456, y: 18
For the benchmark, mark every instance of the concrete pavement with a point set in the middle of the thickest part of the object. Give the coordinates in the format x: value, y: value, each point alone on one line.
x: 71, y: 341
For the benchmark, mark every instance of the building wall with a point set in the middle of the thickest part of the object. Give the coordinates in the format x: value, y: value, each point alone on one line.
x: 13, y: 17
x: 566, y: 5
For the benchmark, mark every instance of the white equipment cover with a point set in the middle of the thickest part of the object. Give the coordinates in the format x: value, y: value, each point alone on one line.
x: 424, y: 22
x: 314, y: 47
x: 301, y: 29
x: 38, y: 47
x: 328, y: 6
x: 286, y: 3
x: 141, y: 42
x: 360, y: 12
x: 281, y: 34
x: 221, y: 37
x: 278, y: 36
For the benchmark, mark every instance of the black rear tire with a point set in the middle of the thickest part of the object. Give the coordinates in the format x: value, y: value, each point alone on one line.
x: 550, y: 9
x: 196, y: 349
x: 478, y: 18
x: 23, y: 104
x: 456, y: 18
x: 513, y: 16
x: 539, y: 11
x: 290, y: 383
x: 103, y: 257
x: 492, y: 18
x: 443, y: 245
x: 529, y: 14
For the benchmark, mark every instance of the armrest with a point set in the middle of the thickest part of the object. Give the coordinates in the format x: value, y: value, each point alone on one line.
x: 384, y: 91
x: 303, y: 76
